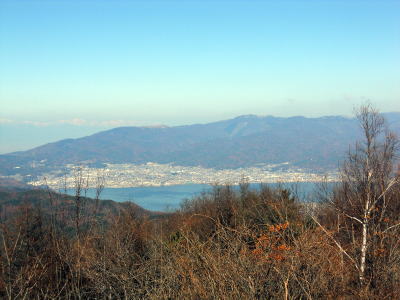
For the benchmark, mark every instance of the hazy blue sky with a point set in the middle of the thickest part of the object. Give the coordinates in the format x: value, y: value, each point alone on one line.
x: 99, y: 63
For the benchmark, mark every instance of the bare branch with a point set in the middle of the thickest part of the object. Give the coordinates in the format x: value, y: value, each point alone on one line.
x: 336, y: 242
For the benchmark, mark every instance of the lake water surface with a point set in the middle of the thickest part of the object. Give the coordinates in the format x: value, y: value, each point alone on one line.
x: 169, y: 198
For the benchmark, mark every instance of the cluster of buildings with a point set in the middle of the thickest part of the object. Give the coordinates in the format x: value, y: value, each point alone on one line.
x: 154, y: 174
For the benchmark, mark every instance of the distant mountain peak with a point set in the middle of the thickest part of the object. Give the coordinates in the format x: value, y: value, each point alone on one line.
x: 157, y: 126
x: 250, y: 116
x: 247, y: 140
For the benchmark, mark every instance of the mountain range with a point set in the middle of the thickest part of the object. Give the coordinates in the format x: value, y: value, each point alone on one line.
x: 317, y: 144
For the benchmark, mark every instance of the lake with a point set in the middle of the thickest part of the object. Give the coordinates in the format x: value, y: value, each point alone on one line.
x: 169, y: 198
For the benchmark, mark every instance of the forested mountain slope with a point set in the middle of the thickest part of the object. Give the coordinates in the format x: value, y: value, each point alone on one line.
x: 314, y: 143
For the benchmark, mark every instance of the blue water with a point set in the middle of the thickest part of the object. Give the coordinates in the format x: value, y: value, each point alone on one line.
x: 169, y: 198
x: 160, y: 198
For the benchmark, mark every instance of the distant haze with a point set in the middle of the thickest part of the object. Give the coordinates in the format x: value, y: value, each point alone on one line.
x: 182, y: 62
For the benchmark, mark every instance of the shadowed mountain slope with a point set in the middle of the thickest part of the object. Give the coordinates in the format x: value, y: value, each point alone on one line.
x: 314, y: 143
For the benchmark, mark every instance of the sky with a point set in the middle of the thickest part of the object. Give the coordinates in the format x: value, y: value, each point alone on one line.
x: 80, y: 66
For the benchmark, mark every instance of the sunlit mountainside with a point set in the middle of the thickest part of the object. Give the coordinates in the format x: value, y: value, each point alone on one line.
x: 315, y: 144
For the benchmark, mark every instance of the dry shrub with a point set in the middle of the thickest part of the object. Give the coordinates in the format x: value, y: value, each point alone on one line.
x: 246, y: 244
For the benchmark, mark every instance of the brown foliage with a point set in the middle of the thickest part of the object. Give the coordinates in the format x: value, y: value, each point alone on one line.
x: 247, y: 244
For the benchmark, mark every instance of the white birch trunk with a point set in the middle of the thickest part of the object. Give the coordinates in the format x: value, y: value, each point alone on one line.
x: 363, y: 250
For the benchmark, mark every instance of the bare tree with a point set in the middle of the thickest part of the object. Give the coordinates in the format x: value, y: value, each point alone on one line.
x: 366, y: 179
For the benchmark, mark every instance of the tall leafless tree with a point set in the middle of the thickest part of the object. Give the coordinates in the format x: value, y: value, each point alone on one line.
x: 366, y: 179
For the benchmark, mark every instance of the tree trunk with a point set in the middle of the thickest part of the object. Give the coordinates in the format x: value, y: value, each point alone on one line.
x: 363, y: 251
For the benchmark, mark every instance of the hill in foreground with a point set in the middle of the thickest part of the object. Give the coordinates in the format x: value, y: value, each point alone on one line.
x: 17, y: 199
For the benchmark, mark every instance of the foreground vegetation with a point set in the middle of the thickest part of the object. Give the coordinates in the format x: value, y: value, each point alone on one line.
x: 225, y: 244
